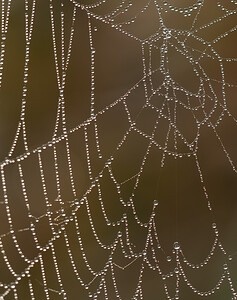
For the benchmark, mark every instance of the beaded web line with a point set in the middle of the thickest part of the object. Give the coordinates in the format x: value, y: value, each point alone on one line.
x: 60, y: 219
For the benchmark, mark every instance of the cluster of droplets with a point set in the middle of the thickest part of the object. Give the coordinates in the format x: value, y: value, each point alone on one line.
x: 29, y: 22
x: 5, y: 14
x: 187, y: 11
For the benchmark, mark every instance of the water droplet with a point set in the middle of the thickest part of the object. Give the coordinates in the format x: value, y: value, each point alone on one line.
x: 214, y: 225
x: 176, y: 270
x: 168, y: 258
x: 176, y: 246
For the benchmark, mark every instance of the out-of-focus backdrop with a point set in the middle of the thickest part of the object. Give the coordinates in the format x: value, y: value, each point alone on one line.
x: 182, y: 213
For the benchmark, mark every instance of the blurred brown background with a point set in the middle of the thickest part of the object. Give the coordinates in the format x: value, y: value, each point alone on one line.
x: 182, y: 211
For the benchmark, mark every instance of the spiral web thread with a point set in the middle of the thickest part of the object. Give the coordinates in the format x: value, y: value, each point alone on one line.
x: 59, y: 220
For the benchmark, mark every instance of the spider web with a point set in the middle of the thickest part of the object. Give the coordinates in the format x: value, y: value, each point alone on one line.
x: 133, y: 239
